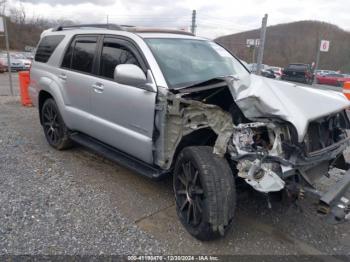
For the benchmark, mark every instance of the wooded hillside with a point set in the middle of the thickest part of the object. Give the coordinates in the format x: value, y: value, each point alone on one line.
x: 23, y: 30
x: 296, y: 42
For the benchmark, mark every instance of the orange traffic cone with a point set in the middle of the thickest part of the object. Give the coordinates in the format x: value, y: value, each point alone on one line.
x: 24, y: 80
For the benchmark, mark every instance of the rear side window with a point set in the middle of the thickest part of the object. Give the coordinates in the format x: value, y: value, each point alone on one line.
x: 46, y: 47
x: 80, y: 54
x: 114, y: 54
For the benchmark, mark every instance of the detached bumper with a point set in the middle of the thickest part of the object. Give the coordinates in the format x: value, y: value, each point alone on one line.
x: 335, y: 203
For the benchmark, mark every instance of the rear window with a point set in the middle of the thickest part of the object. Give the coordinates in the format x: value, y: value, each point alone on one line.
x: 298, y: 67
x: 46, y: 47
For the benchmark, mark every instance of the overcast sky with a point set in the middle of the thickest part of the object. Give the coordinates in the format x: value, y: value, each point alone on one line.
x: 215, y: 18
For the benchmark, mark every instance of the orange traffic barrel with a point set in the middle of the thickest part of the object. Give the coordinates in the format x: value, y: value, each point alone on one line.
x: 24, y: 79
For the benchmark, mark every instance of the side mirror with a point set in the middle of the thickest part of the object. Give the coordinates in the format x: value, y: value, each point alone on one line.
x: 129, y: 74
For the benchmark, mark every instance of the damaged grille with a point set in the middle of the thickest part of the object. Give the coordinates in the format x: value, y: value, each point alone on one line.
x: 326, y: 131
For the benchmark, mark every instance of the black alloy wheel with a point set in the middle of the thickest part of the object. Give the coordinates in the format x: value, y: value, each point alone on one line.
x: 189, y: 194
x: 55, y: 130
x: 205, y: 193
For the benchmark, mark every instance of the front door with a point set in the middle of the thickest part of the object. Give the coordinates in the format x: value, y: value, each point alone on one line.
x: 122, y: 115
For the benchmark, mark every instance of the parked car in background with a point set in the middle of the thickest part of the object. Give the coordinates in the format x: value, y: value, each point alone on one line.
x: 268, y: 73
x: 325, y: 72
x: 16, y: 64
x: 25, y: 61
x: 297, y: 72
x: 2, y: 66
x: 265, y: 70
x: 332, y: 79
x: 277, y: 71
x: 254, y: 67
x: 3, y: 63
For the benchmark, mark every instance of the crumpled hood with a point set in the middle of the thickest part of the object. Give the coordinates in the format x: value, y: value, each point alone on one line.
x: 262, y: 97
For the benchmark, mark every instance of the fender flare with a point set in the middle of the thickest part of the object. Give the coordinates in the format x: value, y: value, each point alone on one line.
x: 52, y: 88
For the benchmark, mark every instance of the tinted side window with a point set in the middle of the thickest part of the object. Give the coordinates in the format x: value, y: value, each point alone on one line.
x: 84, y: 53
x: 114, y: 54
x: 46, y: 47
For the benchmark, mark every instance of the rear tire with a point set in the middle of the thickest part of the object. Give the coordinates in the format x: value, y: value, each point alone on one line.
x: 55, y: 130
x: 205, y: 192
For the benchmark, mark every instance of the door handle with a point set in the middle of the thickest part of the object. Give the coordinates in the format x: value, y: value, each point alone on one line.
x: 98, y: 88
x: 63, y: 77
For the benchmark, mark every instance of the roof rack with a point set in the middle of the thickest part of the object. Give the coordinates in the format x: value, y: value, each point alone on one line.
x: 129, y: 28
x: 157, y: 30
x: 105, y: 26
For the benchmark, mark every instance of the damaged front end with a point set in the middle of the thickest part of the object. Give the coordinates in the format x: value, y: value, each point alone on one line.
x: 256, y: 135
x: 269, y: 160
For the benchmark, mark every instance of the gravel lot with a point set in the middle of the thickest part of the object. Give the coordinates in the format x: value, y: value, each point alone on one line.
x: 75, y: 202
x: 5, y: 86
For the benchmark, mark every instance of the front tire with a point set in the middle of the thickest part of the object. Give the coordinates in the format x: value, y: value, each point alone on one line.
x: 205, y: 192
x: 55, y: 130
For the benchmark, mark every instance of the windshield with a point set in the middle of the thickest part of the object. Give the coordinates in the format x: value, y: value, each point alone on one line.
x: 185, y: 62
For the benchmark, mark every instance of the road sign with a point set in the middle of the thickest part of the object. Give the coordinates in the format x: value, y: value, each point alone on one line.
x: 2, y: 28
x: 257, y: 42
x: 324, y: 46
x: 250, y: 42
x: 253, y: 42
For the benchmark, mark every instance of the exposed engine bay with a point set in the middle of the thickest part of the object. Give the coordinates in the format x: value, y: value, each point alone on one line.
x: 266, y: 151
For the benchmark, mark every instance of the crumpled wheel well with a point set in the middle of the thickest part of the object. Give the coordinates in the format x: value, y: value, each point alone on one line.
x: 201, y: 137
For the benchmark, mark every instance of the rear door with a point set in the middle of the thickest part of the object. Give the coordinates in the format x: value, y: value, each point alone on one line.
x: 77, y: 76
x: 123, y: 115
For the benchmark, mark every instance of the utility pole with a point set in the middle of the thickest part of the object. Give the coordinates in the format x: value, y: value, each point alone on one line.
x: 317, y: 60
x: 8, y: 52
x: 262, y: 44
x: 254, y: 51
x: 193, y: 25
x: 107, y: 19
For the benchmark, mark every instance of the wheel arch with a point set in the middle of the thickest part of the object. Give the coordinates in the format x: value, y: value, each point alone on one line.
x: 200, y: 137
x: 50, y: 89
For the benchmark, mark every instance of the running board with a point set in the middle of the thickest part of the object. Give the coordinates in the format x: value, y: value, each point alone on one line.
x: 118, y: 157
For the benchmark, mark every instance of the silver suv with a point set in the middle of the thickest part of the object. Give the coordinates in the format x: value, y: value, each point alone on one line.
x: 167, y: 102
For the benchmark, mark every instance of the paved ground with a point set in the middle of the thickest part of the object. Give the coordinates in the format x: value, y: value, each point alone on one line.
x: 75, y: 202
